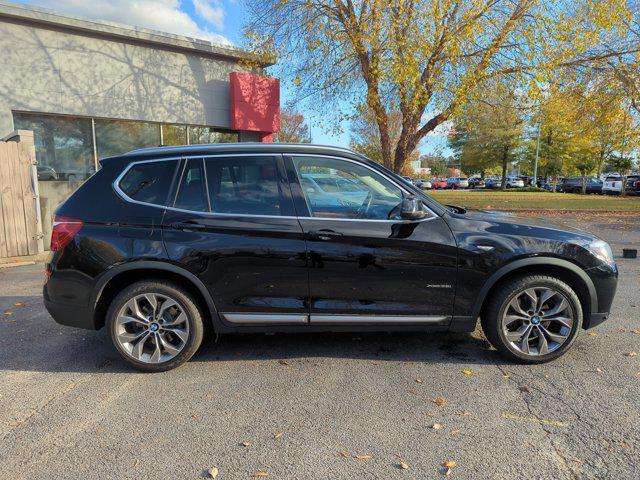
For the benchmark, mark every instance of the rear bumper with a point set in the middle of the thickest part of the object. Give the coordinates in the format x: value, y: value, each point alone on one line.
x: 70, y: 315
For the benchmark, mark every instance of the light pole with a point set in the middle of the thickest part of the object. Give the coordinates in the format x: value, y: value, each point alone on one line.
x: 535, y: 163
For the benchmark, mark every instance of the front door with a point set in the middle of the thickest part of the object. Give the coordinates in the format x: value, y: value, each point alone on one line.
x: 233, y: 225
x: 366, y: 264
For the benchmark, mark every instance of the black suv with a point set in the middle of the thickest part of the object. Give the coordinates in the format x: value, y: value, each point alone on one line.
x: 574, y: 185
x: 161, y: 244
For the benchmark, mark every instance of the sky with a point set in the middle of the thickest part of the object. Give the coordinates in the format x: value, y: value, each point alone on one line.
x: 216, y: 20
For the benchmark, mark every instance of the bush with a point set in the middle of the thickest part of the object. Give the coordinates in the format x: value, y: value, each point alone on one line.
x: 527, y: 189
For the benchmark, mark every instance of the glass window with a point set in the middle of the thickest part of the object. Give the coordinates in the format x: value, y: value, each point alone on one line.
x: 174, y: 135
x: 149, y: 182
x: 192, y: 193
x: 64, y: 145
x: 244, y: 185
x: 199, y: 135
x: 340, y: 189
x: 115, y: 137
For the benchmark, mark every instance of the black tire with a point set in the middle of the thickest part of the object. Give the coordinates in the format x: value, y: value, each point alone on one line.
x: 189, y: 307
x: 498, y: 302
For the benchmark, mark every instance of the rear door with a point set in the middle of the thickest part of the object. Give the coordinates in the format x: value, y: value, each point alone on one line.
x: 366, y: 264
x: 232, y: 223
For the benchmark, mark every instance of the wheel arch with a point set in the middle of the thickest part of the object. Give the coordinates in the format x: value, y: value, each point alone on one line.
x: 564, y: 270
x: 124, y: 275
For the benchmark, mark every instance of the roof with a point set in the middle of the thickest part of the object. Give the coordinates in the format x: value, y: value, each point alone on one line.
x: 51, y: 19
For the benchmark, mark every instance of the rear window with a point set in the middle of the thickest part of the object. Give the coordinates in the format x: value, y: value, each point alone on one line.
x: 149, y: 182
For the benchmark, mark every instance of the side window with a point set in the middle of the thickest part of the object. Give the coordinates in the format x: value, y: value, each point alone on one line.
x: 337, y: 188
x: 149, y: 182
x: 244, y: 185
x: 192, y: 190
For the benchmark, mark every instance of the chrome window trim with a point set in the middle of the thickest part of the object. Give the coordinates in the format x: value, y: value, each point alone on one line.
x: 126, y: 198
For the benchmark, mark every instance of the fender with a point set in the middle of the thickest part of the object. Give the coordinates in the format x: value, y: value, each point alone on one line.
x: 527, y: 262
x: 160, y: 266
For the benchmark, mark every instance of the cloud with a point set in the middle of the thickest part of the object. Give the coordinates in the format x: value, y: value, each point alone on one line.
x: 211, y: 11
x: 162, y: 15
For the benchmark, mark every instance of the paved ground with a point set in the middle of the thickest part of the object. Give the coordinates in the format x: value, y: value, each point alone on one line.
x: 308, y: 405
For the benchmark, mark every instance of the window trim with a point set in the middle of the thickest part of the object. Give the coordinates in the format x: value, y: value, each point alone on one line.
x: 184, y: 158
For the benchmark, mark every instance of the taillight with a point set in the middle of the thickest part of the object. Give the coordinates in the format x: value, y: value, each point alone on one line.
x: 64, y: 229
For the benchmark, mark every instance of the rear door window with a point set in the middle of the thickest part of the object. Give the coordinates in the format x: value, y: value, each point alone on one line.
x: 149, y: 182
x: 192, y: 190
x: 244, y: 185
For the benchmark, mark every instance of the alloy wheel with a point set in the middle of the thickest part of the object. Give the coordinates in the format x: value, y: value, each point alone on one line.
x: 538, y: 321
x: 152, y: 328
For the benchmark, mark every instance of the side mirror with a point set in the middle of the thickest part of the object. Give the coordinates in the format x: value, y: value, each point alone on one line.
x: 412, y: 209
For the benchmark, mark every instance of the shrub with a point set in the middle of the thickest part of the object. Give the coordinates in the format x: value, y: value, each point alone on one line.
x: 527, y: 189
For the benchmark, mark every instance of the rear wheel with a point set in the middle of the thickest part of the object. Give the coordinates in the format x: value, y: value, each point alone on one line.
x: 155, y: 326
x: 533, y: 319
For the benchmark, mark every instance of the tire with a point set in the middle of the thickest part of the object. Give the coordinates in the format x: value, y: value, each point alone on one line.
x: 512, y: 291
x: 179, y: 337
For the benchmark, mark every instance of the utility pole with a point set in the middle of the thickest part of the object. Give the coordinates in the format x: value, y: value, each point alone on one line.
x: 535, y: 163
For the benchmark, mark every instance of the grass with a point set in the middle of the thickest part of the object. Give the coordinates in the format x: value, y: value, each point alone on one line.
x: 528, y: 201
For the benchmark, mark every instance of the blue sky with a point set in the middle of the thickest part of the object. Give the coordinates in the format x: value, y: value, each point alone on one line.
x: 216, y: 20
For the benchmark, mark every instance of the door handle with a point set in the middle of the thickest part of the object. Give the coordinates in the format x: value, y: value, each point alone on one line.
x: 324, y: 234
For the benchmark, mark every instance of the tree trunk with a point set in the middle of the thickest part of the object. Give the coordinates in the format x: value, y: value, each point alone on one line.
x: 584, y: 184
x: 555, y: 182
x: 505, y: 159
x: 623, y: 190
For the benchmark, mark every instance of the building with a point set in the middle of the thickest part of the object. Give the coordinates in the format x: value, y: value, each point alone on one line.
x: 91, y: 89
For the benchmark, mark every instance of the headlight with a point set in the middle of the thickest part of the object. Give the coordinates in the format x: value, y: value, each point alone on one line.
x: 602, y: 250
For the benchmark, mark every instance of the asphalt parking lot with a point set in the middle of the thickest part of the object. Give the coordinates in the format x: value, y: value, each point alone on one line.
x: 321, y: 406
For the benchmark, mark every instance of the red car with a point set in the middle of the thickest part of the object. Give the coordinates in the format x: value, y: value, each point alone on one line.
x: 438, y: 183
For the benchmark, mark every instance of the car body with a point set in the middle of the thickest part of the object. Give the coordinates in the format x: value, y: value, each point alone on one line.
x: 476, y: 182
x: 46, y: 172
x: 438, y: 183
x: 514, y: 182
x: 493, y: 183
x: 422, y: 184
x: 574, y: 185
x: 162, y: 243
x: 632, y: 187
x: 612, y: 185
x: 457, y: 182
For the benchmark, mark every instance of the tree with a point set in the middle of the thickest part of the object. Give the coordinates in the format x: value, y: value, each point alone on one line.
x: 623, y: 166
x: 423, y: 58
x: 489, y: 132
x: 293, y: 128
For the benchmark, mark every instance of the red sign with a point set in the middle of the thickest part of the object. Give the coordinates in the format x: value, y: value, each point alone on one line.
x: 255, y: 104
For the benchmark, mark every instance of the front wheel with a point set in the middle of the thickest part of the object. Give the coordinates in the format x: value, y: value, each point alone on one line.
x: 154, y: 325
x: 533, y: 319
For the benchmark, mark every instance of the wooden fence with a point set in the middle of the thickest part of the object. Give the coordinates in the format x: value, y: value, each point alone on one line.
x: 20, y: 224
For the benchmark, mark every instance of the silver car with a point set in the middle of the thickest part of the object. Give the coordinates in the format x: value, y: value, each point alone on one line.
x: 515, y: 182
x: 457, y: 182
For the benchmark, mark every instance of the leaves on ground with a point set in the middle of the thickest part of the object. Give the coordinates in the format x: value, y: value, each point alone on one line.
x: 403, y: 466
x: 418, y: 380
x: 283, y: 362
x: 467, y: 372
x: 436, y: 426
x: 439, y: 401
x: 7, y: 313
x: 631, y: 354
x: 362, y: 457
x: 278, y: 435
x: 213, y: 472
x: 246, y: 444
x: 592, y: 334
x: 465, y: 414
x: 506, y: 376
x: 449, y: 464
x: 344, y: 454
x: 261, y: 474
x: 455, y: 431
x: 18, y: 304
x: 524, y: 389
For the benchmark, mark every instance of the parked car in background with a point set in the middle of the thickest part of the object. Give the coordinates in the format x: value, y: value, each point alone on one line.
x: 612, y: 185
x: 422, y: 184
x: 574, y: 185
x: 438, y: 183
x: 476, y: 182
x: 163, y: 244
x: 457, y: 182
x: 46, y: 173
x: 632, y: 186
x: 493, y: 183
x: 515, y: 182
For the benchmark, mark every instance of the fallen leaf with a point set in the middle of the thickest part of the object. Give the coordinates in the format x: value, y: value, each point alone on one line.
x: 631, y: 354
x: 467, y: 372
x: 403, y: 466
x: 246, y: 444
x: 344, y: 454
x: 599, y: 370
x: 283, y: 362
x: 277, y: 434
x: 261, y: 474
x: 446, y: 471
x: 362, y: 457
x: 418, y: 380
x: 592, y: 334
x: 506, y: 376
x: 18, y: 304
x: 436, y: 426
x: 441, y: 402
x: 450, y: 464
x: 455, y: 431
x: 7, y: 313
x: 465, y: 414
x: 429, y: 414
x: 524, y: 389
x: 213, y: 472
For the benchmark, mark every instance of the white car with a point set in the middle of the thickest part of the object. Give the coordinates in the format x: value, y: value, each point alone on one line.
x: 612, y: 185
x: 515, y: 182
x: 423, y: 184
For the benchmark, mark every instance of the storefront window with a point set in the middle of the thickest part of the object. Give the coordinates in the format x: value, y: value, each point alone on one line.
x: 174, y: 134
x: 114, y: 137
x: 210, y: 135
x: 64, y: 145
